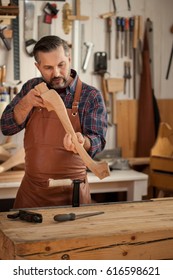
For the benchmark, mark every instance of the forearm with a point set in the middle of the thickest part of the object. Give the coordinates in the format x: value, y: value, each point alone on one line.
x: 21, y: 111
x: 8, y: 124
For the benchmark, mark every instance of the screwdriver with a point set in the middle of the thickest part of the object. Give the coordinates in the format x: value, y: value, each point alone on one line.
x: 109, y: 30
x: 131, y: 29
x: 122, y: 35
x: 126, y: 36
x: 118, y: 28
x: 73, y: 216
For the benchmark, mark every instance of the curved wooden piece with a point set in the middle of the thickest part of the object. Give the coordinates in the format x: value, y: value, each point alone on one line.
x: 15, y: 160
x: 164, y: 143
x: 54, y: 102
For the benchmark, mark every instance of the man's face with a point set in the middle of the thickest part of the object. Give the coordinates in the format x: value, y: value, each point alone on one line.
x: 54, y: 67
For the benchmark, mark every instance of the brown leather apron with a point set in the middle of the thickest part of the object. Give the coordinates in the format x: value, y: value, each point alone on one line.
x: 46, y: 158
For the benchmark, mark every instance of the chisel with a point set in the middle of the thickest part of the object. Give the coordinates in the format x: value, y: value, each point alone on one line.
x: 129, y: 6
x: 140, y: 34
x: 109, y: 30
x: 118, y: 28
x: 126, y: 36
x: 122, y: 35
x: 129, y: 74
x: 135, y: 43
x: 125, y: 76
x: 131, y: 29
x: 73, y: 216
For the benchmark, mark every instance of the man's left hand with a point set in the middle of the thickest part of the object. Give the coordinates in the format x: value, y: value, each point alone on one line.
x: 68, y: 144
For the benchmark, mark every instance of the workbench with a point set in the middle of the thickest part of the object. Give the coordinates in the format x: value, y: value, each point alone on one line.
x: 133, y: 182
x: 125, y: 231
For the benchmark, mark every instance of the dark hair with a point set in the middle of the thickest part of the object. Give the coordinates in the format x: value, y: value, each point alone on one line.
x: 49, y: 43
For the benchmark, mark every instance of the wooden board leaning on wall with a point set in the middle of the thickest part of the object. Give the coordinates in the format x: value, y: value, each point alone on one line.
x: 126, y: 119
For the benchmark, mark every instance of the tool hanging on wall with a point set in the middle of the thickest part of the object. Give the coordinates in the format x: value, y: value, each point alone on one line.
x: 100, y: 68
x: 44, y: 21
x: 76, y: 50
x: 89, y: 47
x: 127, y: 75
x: 131, y: 29
x: 140, y: 38
x: 29, y: 11
x: 50, y: 12
x: 44, y: 29
x: 170, y: 59
x: 122, y: 35
x: 4, y: 39
x: 149, y: 30
x: 66, y: 23
x: 109, y: 31
x: 135, y: 43
x: 108, y: 16
x: 126, y: 51
x: 128, y: 4
x: 16, y: 41
x: 118, y: 32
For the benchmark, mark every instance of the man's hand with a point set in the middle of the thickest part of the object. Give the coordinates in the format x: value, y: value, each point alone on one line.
x: 32, y: 99
x: 68, y: 144
x: 25, y: 105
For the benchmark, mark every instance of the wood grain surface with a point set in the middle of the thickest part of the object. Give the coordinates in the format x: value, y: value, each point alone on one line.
x: 138, y: 230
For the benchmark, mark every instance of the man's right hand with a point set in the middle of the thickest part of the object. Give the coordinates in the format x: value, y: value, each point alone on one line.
x: 25, y: 105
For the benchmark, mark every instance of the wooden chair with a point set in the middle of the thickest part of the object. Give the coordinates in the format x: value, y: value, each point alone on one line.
x: 161, y: 163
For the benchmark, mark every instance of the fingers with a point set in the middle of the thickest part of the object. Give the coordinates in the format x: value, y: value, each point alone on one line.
x: 68, y: 144
x: 34, y: 98
x: 80, y: 138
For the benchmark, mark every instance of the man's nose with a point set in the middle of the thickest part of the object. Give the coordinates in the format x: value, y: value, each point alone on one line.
x: 56, y: 71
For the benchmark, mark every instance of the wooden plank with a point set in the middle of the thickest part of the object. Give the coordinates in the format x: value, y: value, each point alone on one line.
x: 125, y: 231
x: 126, y: 126
x: 165, y: 108
x: 114, y: 85
x: 127, y: 112
x: 162, y: 164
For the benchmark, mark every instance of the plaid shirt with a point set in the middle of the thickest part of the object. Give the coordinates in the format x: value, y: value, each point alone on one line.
x: 92, y: 112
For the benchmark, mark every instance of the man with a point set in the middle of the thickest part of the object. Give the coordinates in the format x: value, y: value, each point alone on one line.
x: 49, y: 151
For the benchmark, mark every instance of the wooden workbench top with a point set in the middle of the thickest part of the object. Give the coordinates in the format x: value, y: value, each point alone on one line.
x: 138, y: 230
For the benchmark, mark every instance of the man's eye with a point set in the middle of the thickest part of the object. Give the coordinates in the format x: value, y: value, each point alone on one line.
x: 48, y: 68
x: 61, y: 65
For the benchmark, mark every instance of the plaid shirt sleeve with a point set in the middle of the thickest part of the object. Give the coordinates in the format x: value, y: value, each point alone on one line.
x: 93, y: 116
x: 8, y: 123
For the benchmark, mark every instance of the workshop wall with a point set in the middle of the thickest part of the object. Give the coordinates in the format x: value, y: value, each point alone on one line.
x: 94, y: 31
